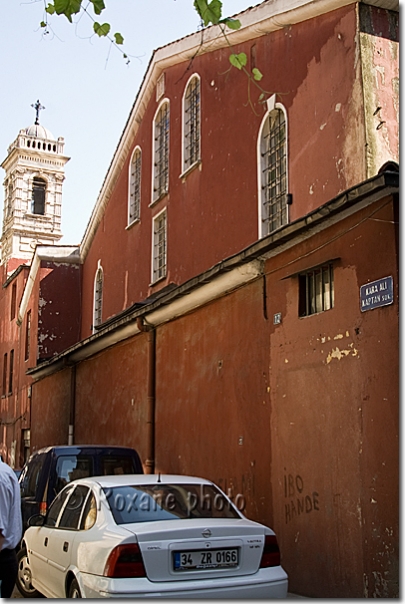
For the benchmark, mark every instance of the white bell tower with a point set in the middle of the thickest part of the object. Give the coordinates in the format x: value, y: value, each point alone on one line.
x: 35, y: 171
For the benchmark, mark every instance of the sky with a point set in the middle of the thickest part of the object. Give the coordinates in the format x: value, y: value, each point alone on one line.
x: 84, y: 84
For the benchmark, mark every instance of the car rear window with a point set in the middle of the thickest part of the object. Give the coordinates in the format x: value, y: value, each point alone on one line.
x: 148, y: 503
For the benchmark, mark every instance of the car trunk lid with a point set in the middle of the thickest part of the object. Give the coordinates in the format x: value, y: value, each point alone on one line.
x: 199, y: 549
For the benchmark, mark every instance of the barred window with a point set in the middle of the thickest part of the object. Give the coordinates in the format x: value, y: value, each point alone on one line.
x: 13, y: 306
x: 9, y: 198
x: 191, y: 123
x: 27, y: 336
x: 38, y: 196
x: 98, y: 297
x: 316, y: 290
x: 11, y: 372
x: 159, y: 246
x: 273, y: 167
x: 135, y: 186
x: 161, y: 152
x: 4, y: 387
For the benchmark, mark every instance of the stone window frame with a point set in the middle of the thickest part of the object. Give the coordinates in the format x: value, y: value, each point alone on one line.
x: 191, y: 123
x: 273, y: 211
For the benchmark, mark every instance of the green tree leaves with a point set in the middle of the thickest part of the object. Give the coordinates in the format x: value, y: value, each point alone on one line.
x: 239, y: 61
x: 101, y: 30
x: 210, y: 12
x: 65, y: 7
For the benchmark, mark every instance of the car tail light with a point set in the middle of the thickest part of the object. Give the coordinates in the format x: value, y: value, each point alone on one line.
x: 271, y: 552
x: 125, y: 561
x: 42, y: 508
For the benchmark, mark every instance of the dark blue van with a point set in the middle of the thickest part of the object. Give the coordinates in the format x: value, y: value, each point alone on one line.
x: 48, y: 470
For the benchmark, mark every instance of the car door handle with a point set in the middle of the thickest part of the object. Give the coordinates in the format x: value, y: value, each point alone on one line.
x: 46, y: 541
x: 66, y: 546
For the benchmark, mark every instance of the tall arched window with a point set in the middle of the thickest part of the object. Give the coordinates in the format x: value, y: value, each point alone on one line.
x: 191, y: 123
x: 134, y: 202
x: 272, y: 163
x: 38, y: 196
x: 98, y: 297
x: 9, y: 187
x: 161, y: 151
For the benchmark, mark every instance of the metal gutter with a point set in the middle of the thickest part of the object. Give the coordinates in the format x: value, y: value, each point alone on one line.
x: 226, y: 276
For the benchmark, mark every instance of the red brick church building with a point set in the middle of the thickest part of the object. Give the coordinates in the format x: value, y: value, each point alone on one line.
x: 232, y: 309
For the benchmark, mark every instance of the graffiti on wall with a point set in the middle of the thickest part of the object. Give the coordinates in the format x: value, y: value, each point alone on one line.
x: 298, y: 500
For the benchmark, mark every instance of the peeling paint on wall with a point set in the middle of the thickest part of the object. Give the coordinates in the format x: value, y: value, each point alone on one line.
x: 338, y: 354
x: 380, y: 73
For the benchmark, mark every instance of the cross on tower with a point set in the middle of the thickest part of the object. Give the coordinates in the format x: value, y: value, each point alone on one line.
x: 37, y: 108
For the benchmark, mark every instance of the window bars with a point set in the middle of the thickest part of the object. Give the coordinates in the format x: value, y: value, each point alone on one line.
x: 274, y: 173
x: 98, y: 298
x: 159, y: 246
x: 192, y: 124
x: 27, y: 336
x: 161, y: 155
x: 316, y: 290
x: 135, y: 187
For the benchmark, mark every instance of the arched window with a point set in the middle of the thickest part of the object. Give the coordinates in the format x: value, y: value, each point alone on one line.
x: 191, y: 123
x: 159, y: 268
x: 38, y: 196
x: 134, y: 202
x: 161, y: 151
x: 9, y: 187
x: 272, y: 163
x: 98, y: 297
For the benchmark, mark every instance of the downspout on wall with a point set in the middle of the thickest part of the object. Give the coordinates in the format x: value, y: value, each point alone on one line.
x: 144, y: 326
x: 72, y: 412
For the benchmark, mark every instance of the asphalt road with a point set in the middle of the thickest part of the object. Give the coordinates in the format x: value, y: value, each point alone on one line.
x: 16, y: 594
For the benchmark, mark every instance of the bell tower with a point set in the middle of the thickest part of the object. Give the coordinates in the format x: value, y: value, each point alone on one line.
x: 35, y: 171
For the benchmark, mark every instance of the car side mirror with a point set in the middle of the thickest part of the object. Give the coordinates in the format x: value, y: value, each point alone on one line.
x: 36, y: 520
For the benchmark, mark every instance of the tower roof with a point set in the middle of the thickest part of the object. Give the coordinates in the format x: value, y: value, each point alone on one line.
x: 38, y: 131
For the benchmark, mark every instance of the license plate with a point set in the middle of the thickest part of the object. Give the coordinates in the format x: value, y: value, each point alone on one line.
x: 205, y: 559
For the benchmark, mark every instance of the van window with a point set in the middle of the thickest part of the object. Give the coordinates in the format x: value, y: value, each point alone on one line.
x: 72, y: 467
x: 117, y: 464
x: 29, y: 481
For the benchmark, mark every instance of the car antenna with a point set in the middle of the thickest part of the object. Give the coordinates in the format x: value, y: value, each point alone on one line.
x: 159, y: 480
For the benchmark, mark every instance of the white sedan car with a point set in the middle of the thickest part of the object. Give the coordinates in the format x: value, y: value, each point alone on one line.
x: 139, y: 536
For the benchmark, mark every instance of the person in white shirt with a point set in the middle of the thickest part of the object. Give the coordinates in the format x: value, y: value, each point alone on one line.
x: 10, y: 528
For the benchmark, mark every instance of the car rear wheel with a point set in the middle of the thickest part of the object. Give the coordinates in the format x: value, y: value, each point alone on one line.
x: 24, y: 576
x: 74, y: 590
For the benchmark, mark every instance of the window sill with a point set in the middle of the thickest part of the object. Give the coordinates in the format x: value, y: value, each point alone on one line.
x: 197, y: 164
x: 133, y: 223
x: 158, y: 281
x: 156, y: 201
x: 36, y: 216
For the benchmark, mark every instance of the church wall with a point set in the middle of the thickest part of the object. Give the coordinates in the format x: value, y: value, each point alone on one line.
x: 51, y: 407
x: 334, y: 424
x: 59, y: 299
x: 111, y: 397
x: 14, y: 403
x: 213, y: 210
x: 296, y: 419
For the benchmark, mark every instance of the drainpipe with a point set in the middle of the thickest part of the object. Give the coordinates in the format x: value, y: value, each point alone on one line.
x: 144, y: 326
x: 71, y: 433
